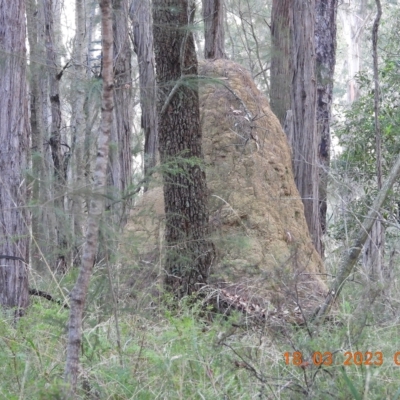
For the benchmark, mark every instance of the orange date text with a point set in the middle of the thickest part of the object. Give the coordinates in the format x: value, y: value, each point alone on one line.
x: 356, y: 358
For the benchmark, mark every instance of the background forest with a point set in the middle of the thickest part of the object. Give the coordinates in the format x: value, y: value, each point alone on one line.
x: 104, y: 108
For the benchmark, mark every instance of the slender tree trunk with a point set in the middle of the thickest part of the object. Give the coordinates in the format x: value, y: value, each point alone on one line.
x: 41, y: 223
x: 54, y: 74
x: 190, y: 253
x: 281, y: 75
x: 79, y: 293
x: 214, y: 33
x: 121, y: 156
x: 14, y: 139
x: 325, y: 49
x: 350, y: 255
x: 140, y: 13
x: 78, y: 125
x: 374, y: 247
x: 354, y: 19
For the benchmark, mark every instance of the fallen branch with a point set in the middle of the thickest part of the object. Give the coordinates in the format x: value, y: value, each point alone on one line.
x: 47, y: 296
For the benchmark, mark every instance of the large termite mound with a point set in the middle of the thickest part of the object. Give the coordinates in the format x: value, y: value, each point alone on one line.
x: 256, y: 214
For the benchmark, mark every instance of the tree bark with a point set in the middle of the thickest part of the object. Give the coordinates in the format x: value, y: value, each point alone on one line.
x: 189, y: 251
x: 294, y: 96
x: 140, y: 13
x: 79, y: 293
x: 78, y: 126
x: 375, y: 245
x: 14, y: 139
x: 121, y: 155
x: 304, y: 141
x: 354, y: 20
x: 214, y: 33
x: 60, y: 172
x: 325, y: 48
x: 43, y: 218
x: 281, y: 67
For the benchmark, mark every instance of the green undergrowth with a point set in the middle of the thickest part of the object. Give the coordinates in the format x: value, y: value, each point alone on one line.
x: 185, y: 352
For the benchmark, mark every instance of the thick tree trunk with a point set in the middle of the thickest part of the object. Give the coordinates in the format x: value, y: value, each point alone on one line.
x: 79, y: 293
x: 281, y: 69
x: 293, y: 97
x: 14, y: 139
x: 121, y: 156
x: 214, y: 33
x: 325, y: 49
x: 304, y: 141
x: 189, y: 251
x: 140, y: 13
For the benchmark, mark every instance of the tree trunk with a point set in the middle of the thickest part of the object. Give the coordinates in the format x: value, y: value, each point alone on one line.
x: 121, y: 156
x: 325, y: 49
x: 140, y: 13
x: 351, y: 254
x: 60, y: 175
x: 43, y: 219
x: 214, y: 33
x: 190, y: 253
x: 303, y: 105
x: 78, y: 127
x: 79, y: 293
x: 293, y: 77
x: 281, y: 75
x: 375, y: 245
x: 354, y: 19
x: 14, y: 139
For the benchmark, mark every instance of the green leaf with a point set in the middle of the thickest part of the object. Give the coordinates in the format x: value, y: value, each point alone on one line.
x: 352, y: 388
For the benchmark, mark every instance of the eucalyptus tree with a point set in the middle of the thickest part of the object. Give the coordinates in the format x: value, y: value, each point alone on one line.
x: 14, y: 150
x: 96, y: 206
x: 189, y: 250
x: 293, y: 39
x: 140, y: 13
x: 325, y: 50
x: 214, y: 32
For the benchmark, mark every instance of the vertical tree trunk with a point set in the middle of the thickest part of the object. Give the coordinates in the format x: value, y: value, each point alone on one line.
x: 354, y: 19
x: 325, y: 49
x: 78, y: 125
x: 14, y: 139
x: 294, y: 49
x: 374, y: 247
x: 42, y: 222
x: 79, y: 293
x: 303, y: 105
x: 140, y: 13
x: 190, y: 253
x: 121, y: 157
x: 54, y: 74
x: 214, y: 33
x: 281, y: 75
